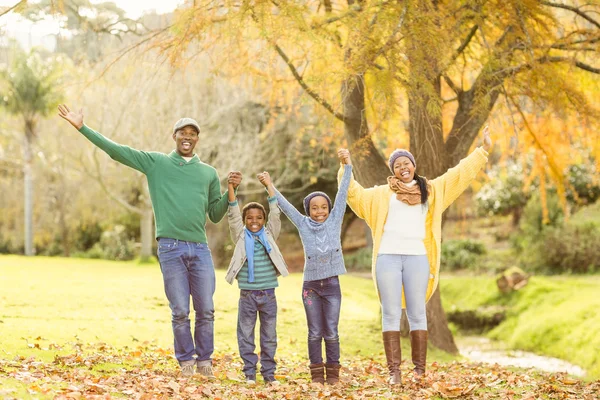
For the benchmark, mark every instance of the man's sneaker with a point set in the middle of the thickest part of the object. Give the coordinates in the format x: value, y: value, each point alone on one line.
x: 187, y: 368
x: 271, y: 381
x: 251, y: 380
x: 204, y: 368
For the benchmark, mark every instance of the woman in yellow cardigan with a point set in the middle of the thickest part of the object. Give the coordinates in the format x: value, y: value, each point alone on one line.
x: 405, y: 217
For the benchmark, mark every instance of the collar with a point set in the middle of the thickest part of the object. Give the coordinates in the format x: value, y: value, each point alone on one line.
x: 174, y: 155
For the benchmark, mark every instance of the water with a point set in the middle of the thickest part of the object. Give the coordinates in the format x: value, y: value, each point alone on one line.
x: 480, y: 349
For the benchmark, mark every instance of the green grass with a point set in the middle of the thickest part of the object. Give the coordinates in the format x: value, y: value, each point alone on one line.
x: 50, y: 302
x: 556, y: 316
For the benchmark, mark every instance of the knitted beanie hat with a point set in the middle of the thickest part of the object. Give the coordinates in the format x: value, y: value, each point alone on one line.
x: 311, y: 196
x: 400, y: 153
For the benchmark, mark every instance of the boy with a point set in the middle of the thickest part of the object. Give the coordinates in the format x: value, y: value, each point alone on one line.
x: 256, y: 263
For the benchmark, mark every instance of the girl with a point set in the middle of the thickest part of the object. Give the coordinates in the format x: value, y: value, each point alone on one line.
x: 320, y: 233
x: 405, y: 217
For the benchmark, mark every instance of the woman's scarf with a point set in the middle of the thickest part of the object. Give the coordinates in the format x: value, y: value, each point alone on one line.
x: 249, y: 238
x: 406, y: 193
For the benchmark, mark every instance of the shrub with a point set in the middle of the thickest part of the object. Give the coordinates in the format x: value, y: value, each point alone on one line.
x: 532, y: 227
x: 571, y: 248
x: 113, y: 245
x: 503, y: 194
x: 461, y: 254
x: 359, y: 260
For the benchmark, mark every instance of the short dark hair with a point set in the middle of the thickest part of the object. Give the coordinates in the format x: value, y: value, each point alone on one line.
x: 253, y: 205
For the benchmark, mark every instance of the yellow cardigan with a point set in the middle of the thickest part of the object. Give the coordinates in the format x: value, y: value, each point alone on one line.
x: 372, y: 205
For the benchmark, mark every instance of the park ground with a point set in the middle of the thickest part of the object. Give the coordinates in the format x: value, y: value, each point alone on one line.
x: 74, y: 328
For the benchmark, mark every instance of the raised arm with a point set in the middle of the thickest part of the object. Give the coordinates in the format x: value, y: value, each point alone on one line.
x: 234, y: 215
x: 218, y: 203
x: 285, y: 206
x: 140, y: 160
x: 359, y: 199
x: 457, y: 179
x: 342, y: 194
x: 274, y: 221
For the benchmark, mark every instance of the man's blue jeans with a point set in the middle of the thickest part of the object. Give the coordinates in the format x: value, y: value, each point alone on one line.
x: 188, y: 270
x: 322, y: 301
x: 263, y: 303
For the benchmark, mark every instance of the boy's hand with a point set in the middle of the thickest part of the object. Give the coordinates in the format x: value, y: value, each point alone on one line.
x: 234, y: 179
x: 264, y: 178
x: 487, y: 141
x: 344, y: 156
x: 75, y: 119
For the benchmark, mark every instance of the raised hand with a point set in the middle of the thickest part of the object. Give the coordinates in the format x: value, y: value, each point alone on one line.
x: 74, y: 118
x: 344, y: 156
x: 264, y: 178
x: 487, y: 141
x: 234, y: 179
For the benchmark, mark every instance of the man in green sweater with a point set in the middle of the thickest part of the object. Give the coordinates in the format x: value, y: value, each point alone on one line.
x: 184, y: 190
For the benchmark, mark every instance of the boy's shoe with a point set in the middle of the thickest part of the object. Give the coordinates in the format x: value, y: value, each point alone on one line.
x: 204, y: 368
x: 187, y: 368
x: 251, y: 380
x: 271, y: 381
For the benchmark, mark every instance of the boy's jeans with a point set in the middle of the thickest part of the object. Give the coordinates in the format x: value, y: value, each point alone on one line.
x: 322, y: 301
x: 264, y: 303
x: 187, y: 269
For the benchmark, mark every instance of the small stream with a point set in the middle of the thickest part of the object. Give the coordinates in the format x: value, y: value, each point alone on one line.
x: 480, y: 349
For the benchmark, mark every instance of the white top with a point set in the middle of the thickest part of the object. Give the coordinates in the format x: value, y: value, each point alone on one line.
x: 404, y: 229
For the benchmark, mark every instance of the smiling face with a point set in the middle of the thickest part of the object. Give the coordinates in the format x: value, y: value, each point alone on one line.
x: 185, y: 140
x: 318, y: 209
x: 404, y: 169
x: 254, y: 219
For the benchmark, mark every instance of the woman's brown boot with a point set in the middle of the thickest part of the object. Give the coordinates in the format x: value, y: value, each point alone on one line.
x: 391, y: 344
x: 333, y: 373
x: 317, y: 373
x: 418, y: 344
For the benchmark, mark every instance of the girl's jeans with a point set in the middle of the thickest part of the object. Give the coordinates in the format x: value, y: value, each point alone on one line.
x: 322, y: 300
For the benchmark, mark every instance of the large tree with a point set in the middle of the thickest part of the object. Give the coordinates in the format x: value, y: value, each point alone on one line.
x: 30, y: 90
x: 442, y: 66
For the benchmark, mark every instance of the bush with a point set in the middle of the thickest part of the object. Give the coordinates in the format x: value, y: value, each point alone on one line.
x: 461, y: 254
x: 503, y: 194
x: 359, y: 261
x: 571, y: 248
x: 532, y: 227
x: 113, y: 245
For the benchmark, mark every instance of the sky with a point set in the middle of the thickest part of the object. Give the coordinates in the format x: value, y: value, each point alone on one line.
x: 29, y: 34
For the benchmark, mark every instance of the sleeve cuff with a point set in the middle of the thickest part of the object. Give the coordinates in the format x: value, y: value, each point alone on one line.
x: 233, y: 203
x: 272, y: 199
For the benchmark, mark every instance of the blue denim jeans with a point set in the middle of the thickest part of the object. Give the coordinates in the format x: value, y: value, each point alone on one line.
x: 263, y: 303
x: 397, y: 271
x: 187, y: 270
x: 322, y: 301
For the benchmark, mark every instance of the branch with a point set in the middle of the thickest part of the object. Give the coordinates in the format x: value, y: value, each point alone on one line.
x: 464, y: 44
x: 9, y: 9
x: 573, y: 9
x: 302, y: 83
x: 451, y: 84
x: 577, y: 63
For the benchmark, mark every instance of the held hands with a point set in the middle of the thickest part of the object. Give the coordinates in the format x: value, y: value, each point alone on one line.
x: 487, y: 141
x: 264, y: 178
x: 74, y: 118
x: 234, y: 179
x: 344, y: 156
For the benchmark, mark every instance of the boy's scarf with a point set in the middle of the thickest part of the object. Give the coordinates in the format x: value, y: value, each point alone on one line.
x: 249, y: 238
x: 409, y: 194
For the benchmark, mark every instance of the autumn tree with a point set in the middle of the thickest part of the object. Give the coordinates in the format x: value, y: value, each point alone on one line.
x: 442, y: 66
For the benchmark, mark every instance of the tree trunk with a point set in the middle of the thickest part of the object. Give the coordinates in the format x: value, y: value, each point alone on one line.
x: 28, y: 185
x: 371, y: 169
x: 146, y: 233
